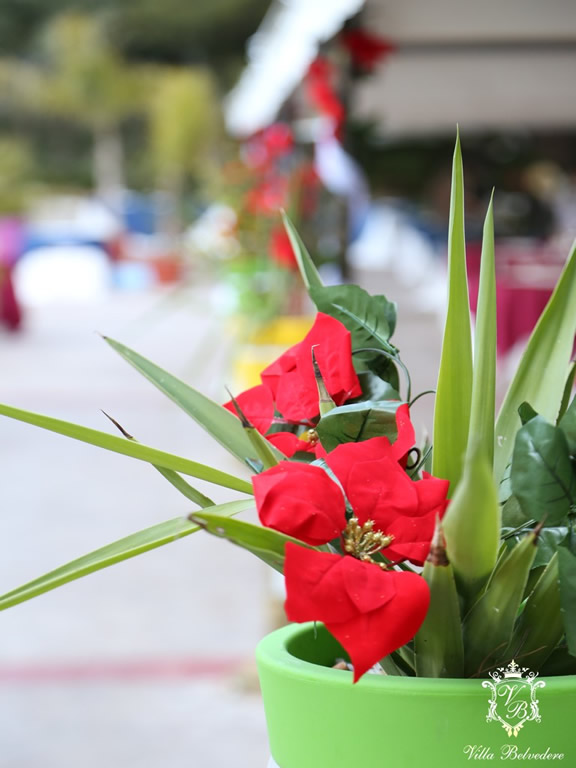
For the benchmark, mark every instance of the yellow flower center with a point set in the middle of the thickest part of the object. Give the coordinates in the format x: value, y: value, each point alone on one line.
x: 362, y: 541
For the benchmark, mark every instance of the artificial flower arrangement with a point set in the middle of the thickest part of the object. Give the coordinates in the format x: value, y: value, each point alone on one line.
x: 442, y: 560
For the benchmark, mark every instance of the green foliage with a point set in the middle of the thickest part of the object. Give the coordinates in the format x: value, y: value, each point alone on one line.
x: 222, y: 425
x: 543, y: 477
x: 567, y: 583
x: 360, y: 421
x: 484, y: 373
x: 128, y: 448
x: 265, y: 543
x: 123, y: 549
x: 184, y: 122
x: 540, y: 626
x: 438, y: 645
x: 568, y: 425
x: 472, y: 525
x: 454, y: 390
x: 489, y: 625
x: 308, y: 271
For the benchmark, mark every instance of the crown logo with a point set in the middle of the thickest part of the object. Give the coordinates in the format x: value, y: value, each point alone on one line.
x: 513, y: 670
x: 513, y: 701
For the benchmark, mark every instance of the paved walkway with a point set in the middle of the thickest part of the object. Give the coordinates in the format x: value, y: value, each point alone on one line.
x: 142, y: 665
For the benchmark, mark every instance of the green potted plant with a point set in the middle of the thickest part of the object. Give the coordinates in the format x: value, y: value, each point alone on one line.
x: 440, y: 581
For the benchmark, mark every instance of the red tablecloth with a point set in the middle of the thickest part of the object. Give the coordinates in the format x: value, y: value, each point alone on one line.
x: 526, y: 274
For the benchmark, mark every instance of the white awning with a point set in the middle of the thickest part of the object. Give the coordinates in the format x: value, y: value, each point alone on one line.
x: 279, y: 56
x: 490, y: 65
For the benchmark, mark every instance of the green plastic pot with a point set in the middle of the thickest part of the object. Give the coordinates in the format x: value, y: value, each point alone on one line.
x: 318, y: 719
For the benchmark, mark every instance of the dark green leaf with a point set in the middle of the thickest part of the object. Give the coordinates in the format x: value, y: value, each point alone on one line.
x: 374, y: 388
x: 512, y: 514
x: 542, y: 476
x: 370, y: 319
x: 568, y: 387
x: 568, y: 426
x: 123, y: 549
x: 265, y: 543
x: 357, y: 422
x: 560, y: 662
x: 526, y: 413
x: 549, y: 539
x: 222, y: 425
x: 567, y: 582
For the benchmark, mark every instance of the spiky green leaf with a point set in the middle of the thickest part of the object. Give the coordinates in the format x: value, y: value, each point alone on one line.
x: 454, y: 390
x: 123, y: 549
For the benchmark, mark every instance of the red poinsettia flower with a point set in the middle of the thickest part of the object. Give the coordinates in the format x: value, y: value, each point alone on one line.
x: 289, y: 388
x: 379, y: 489
x: 307, y: 502
x: 371, y: 612
x: 376, y: 486
x: 291, y: 377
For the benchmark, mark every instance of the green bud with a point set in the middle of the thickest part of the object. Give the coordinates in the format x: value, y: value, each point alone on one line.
x: 489, y: 625
x: 472, y: 526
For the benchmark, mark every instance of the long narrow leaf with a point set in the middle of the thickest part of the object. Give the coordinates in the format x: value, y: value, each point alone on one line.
x: 484, y: 376
x: 454, y: 391
x: 128, y: 448
x: 265, y: 543
x: 541, y: 375
x: 222, y: 425
x: 185, y: 488
x: 307, y: 268
x: 123, y: 549
x: 173, y: 478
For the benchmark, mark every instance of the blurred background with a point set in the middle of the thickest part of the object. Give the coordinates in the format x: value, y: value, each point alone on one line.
x: 145, y: 152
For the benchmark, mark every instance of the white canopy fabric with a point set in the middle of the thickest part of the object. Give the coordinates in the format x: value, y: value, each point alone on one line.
x: 489, y: 65
x: 279, y: 55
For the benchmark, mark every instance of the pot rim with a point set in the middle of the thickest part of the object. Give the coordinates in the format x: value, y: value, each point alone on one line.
x: 273, y: 652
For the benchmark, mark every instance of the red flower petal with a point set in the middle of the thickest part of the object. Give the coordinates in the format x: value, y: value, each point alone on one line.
x: 289, y: 443
x: 324, y: 587
x: 300, y: 500
x: 369, y: 611
x: 257, y: 405
x: 345, y: 456
x: 291, y: 376
x: 406, y: 436
x: 380, y: 490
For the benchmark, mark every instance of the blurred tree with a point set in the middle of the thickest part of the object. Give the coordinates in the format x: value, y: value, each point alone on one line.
x: 184, y: 127
x: 85, y: 80
x: 16, y: 166
x: 174, y: 31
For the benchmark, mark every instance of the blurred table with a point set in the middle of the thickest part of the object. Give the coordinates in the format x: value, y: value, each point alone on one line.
x: 526, y: 274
